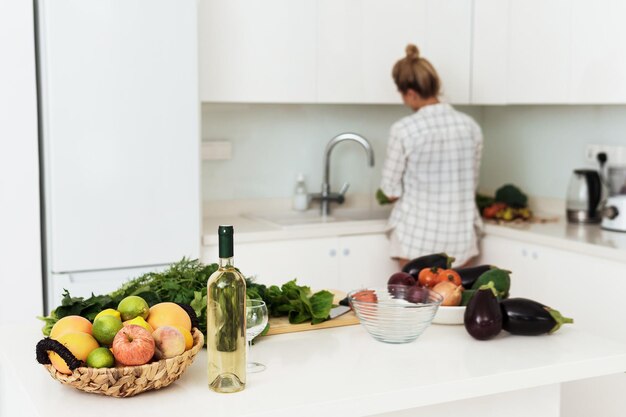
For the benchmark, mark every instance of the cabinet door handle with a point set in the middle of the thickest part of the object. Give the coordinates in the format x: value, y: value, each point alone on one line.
x: 332, y: 253
x: 346, y: 252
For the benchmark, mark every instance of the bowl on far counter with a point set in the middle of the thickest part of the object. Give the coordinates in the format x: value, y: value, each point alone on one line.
x: 449, y: 315
x: 395, y: 313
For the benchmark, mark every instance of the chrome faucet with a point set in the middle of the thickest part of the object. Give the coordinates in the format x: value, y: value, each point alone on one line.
x: 325, y: 197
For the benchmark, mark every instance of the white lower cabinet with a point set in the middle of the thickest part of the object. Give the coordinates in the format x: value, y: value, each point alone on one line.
x: 364, y: 261
x: 343, y: 263
x: 589, y: 289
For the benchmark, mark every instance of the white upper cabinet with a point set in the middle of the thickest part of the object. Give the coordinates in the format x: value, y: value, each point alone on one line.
x: 448, y: 46
x: 328, y: 51
x: 521, y: 51
x: 598, y: 51
x: 342, y: 51
x: 360, y: 40
x: 257, y: 51
x: 489, y: 51
x: 539, y: 54
x: 549, y: 52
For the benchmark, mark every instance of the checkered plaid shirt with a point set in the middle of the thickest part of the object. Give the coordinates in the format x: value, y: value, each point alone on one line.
x: 432, y: 165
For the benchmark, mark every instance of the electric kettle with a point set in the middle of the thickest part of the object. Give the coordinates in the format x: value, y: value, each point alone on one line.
x: 584, y: 194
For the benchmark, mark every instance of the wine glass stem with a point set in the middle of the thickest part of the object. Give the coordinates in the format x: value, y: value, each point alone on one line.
x: 249, y: 347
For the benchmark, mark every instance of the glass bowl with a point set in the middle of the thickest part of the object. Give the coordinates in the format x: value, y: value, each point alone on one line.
x: 395, y: 313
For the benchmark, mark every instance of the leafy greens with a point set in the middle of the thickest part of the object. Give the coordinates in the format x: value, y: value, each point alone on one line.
x: 186, y: 282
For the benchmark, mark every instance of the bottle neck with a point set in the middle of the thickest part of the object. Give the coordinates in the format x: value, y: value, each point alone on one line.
x: 226, y: 262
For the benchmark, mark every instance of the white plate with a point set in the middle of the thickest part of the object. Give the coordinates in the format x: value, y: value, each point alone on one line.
x: 449, y: 315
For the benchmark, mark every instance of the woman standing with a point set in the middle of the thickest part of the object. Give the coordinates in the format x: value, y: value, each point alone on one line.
x: 431, y: 170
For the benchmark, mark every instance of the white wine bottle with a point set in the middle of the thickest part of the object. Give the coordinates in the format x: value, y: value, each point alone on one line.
x: 226, y: 320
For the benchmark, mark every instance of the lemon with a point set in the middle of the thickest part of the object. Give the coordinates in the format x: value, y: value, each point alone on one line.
x: 109, y: 312
x: 105, y: 328
x: 133, y: 306
x: 100, y: 358
x: 139, y: 321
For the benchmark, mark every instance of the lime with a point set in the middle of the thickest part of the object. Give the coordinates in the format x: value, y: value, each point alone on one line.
x: 133, y: 306
x: 109, y: 312
x: 100, y: 358
x: 105, y: 328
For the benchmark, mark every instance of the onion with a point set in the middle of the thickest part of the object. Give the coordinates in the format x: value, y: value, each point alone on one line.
x: 451, y: 293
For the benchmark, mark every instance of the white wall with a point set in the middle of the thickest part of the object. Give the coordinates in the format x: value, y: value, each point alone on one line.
x: 20, y: 256
x: 272, y: 143
x: 537, y: 147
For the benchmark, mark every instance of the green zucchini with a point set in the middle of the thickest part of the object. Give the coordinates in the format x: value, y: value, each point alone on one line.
x: 501, y: 280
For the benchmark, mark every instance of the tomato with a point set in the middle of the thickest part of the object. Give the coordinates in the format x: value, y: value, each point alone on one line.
x: 490, y: 212
x: 429, y: 277
x: 450, y: 275
x: 368, y: 296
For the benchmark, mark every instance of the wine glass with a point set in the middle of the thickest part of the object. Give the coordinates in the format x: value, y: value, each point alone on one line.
x: 256, y: 321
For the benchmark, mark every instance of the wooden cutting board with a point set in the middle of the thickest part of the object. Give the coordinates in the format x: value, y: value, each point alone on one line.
x: 281, y: 325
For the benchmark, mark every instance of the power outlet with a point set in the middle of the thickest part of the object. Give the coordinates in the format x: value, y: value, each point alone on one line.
x: 616, y: 155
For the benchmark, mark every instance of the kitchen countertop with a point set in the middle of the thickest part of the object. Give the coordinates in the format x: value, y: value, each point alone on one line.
x: 251, y: 230
x: 339, y: 371
x: 585, y: 239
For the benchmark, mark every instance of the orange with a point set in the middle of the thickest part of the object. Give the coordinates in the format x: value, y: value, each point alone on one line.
x: 79, y: 343
x: 70, y: 324
x: 168, y: 314
x: 188, y: 337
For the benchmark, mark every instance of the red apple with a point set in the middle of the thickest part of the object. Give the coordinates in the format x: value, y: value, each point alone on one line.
x: 133, y: 345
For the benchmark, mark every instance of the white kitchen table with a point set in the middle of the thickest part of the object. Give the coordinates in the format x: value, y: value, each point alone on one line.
x: 341, y: 372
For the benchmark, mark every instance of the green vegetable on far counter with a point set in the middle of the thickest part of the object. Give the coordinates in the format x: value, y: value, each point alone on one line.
x: 511, y: 195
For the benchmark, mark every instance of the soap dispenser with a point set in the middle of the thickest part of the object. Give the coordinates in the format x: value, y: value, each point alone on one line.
x: 300, y: 195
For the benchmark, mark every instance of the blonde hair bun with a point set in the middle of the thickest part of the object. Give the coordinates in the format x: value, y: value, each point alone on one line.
x: 412, y: 51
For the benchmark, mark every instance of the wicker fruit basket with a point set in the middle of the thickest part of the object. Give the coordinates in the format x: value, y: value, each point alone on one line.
x: 130, y: 380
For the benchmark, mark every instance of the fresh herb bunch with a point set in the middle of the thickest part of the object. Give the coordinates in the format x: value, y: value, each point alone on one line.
x: 293, y: 300
x: 183, y: 282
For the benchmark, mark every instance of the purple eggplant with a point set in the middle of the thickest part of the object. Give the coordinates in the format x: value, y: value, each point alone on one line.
x: 470, y: 275
x: 483, y: 318
x: 439, y: 260
x: 530, y: 318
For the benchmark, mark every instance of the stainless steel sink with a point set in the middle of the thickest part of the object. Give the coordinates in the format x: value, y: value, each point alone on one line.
x: 288, y: 219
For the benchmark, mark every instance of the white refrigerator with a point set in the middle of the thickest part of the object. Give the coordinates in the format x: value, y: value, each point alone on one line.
x: 120, y: 135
